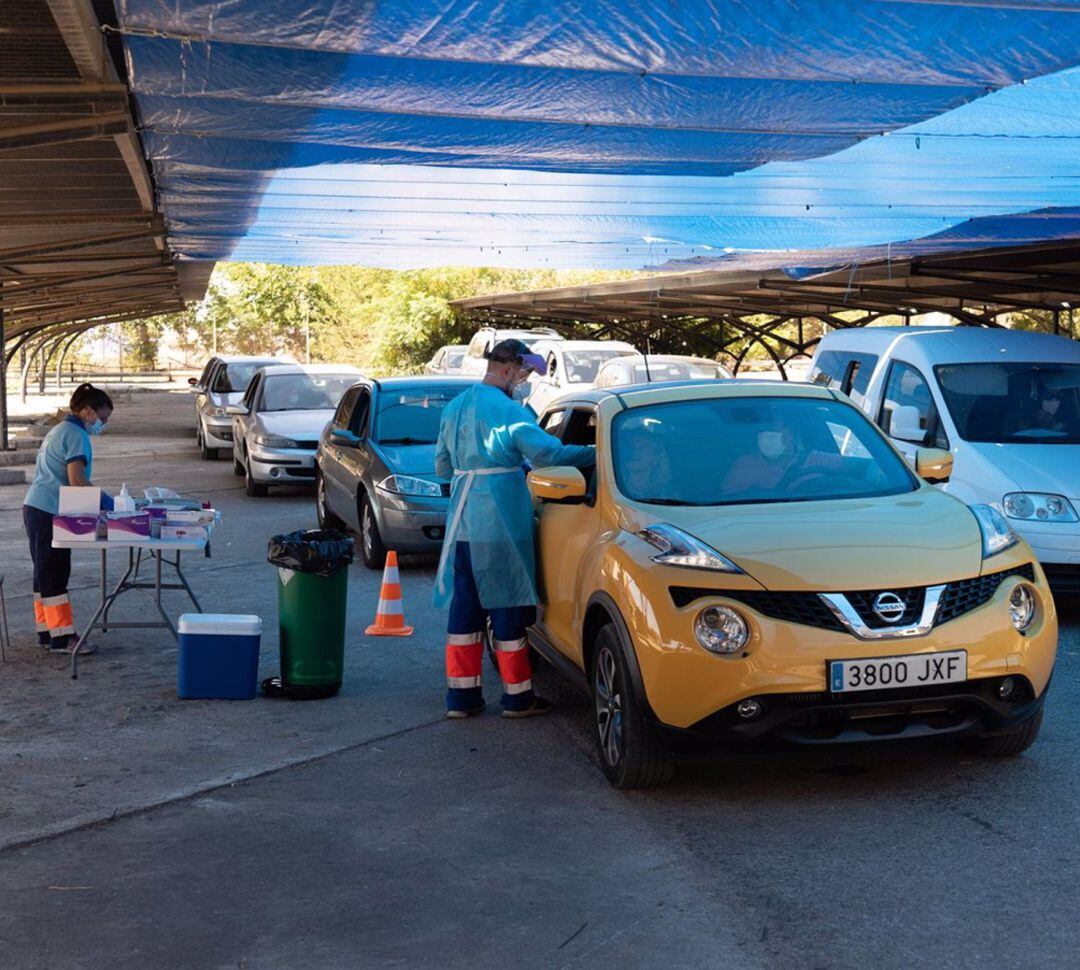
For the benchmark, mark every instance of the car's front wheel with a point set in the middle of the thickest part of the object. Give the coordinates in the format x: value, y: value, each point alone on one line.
x: 327, y: 519
x: 237, y: 466
x: 632, y: 754
x: 207, y: 454
x: 252, y: 488
x: 371, y: 544
x: 1012, y: 742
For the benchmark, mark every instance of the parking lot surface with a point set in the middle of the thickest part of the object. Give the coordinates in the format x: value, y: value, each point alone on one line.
x: 137, y: 830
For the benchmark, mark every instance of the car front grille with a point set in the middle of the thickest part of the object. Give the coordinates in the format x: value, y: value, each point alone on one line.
x: 308, y: 445
x: 809, y: 609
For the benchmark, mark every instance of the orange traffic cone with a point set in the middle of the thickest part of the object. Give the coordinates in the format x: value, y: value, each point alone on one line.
x: 390, y: 617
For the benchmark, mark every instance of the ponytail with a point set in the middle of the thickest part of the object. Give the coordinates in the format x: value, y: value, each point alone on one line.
x: 88, y: 396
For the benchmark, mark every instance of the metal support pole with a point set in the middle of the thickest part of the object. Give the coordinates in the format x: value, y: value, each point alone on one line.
x: 4, y: 443
x: 1057, y: 321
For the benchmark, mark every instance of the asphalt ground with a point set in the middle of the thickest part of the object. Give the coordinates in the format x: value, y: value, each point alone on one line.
x: 137, y: 830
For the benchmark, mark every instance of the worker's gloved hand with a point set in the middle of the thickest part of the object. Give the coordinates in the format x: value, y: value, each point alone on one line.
x: 107, y: 504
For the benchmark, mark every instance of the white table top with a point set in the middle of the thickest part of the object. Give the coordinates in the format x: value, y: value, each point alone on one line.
x: 152, y: 545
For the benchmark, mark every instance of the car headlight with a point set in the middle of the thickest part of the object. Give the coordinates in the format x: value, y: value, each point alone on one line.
x: 1039, y: 507
x: 720, y: 629
x: 997, y: 534
x: 678, y: 548
x: 216, y: 412
x: 407, y: 485
x: 274, y: 441
x: 1022, y: 606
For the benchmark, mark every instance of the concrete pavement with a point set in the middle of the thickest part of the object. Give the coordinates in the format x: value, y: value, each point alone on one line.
x: 364, y: 831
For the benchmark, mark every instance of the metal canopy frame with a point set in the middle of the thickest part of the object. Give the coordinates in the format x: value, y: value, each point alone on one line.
x: 82, y: 241
x: 726, y: 311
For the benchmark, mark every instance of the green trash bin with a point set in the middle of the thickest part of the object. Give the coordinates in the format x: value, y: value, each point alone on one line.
x: 313, y: 588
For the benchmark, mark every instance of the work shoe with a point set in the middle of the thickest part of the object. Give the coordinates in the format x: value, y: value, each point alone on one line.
x: 65, y: 646
x: 459, y: 715
x: 44, y: 640
x: 538, y: 706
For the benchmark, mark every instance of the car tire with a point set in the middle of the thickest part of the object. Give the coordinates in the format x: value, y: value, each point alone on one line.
x: 238, y: 467
x: 326, y: 518
x: 372, y: 548
x: 1012, y: 742
x: 206, y: 454
x: 252, y: 488
x: 632, y: 755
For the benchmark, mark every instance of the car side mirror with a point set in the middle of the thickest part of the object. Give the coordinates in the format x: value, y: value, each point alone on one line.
x: 556, y: 483
x: 341, y: 436
x: 237, y: 409
x: 904, y: 425
x: 193, y: 381
x: 934, y: 465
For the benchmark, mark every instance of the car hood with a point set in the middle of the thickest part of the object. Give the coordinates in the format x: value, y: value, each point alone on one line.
x: 409, y: 459
x: 295, y: 424
x: 916, y: 539
x: 224, y: 400
x: 1032, y: 468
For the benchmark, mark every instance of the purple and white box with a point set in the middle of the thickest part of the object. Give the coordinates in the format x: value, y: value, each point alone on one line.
x: 75, y: 528
x: 128, y: 526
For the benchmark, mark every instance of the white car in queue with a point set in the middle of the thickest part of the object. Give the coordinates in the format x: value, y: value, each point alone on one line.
x: 572, y: 366
x: 276, y: 427
x: 1006, y: 403
x: 654, y: 368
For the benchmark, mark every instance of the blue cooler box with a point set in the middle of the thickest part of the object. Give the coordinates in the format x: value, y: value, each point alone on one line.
x: 219, y: 656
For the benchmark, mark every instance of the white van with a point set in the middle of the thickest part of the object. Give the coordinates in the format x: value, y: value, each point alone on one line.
x: 475, y: 364
x: 572, y: 365
x: 1006, y: 403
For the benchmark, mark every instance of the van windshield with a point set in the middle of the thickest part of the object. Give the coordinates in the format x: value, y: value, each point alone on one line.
x: 582, y: 365
x: 1013, y: 403
x: 740, y: 450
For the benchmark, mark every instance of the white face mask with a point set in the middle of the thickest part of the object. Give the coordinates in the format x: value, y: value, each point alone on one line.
x: 1051, y: 405
x: 771, y: 443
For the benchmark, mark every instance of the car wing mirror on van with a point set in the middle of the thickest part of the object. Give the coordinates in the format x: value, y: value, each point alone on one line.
x: 934, y: 465
x: 342, y: 436
x: 904, y: 425
x: 236, y: 409
x: 556, y: 483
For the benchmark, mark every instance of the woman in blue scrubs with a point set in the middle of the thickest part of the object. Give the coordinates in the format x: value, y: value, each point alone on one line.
x: 64, y: 458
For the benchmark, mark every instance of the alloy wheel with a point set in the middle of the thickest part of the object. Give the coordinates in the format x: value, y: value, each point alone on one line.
x: 609, y: 712
x: 368, y: 539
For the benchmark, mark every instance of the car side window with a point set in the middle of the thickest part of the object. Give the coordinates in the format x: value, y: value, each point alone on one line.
x: 845, y: 371
x: 204, y: 377
x: 552, y: 421
x: 580, y: 427
x: 476, y: 345
x: 908, y: 412
x: 341, y: 416
x: 358, y: 421
x: 252, y: 392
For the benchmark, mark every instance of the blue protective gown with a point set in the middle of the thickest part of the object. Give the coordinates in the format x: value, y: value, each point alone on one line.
x: 483, y: 429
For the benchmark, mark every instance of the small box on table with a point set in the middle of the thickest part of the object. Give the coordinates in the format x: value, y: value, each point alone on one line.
x: 75, y: 528
x: 185, y: 532
x: 127, y: 526
x: 218, y: 656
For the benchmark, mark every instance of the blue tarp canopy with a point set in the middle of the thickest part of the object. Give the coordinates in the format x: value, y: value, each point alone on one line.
x: 602, y: 134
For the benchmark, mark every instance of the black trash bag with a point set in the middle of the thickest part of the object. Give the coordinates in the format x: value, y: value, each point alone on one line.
x: 322, y: 552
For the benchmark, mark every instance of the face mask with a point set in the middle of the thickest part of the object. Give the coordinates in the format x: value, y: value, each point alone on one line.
x: 520, y: 392
x: 1051, y: 405
x: 96, y: 428
x: 771, y: 443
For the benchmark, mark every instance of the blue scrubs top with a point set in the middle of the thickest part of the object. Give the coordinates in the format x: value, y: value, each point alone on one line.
x: 483, y: 428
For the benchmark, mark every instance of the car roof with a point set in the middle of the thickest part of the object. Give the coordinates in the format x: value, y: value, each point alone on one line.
x: 957, y: 344
x: 662, y: 392
x: 589, y: 344
x: 312, y: 369
x: 424, y: 380
x: 668, y: 359
x: 249, y: 359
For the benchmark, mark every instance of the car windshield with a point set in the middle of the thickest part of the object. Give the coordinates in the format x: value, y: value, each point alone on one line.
x: 304, y: 392
x: 675, y: 370
x: 1013, y: 404
x: 411, y: 415
x: 454, y: 358
x: 582, y: 365
x: 739, y: 450
x: 234, y: 378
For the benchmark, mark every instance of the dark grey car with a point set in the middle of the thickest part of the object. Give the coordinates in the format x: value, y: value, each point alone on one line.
x: 375, y: 465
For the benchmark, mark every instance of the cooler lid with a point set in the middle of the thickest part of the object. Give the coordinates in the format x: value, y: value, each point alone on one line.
x: 220, y: 624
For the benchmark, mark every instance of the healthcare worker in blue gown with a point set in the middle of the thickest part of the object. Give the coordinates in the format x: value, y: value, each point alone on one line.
x: 488, y: 567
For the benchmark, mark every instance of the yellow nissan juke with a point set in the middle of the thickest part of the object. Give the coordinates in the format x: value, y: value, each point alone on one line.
x: 752, y: 559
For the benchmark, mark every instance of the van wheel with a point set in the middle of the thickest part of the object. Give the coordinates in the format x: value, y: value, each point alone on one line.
x: 327, y: 519
x: 631, y: 752
x: 252, y: 488
x: 371, y: 544
x: 1018, y: 739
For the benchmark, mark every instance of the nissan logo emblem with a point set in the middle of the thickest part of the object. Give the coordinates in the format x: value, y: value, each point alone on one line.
x: 889, y: 607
